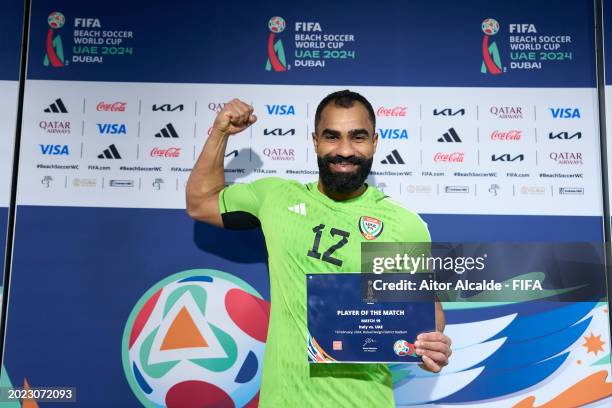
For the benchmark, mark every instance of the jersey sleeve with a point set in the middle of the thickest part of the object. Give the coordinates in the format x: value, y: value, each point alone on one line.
x: 240, y: 204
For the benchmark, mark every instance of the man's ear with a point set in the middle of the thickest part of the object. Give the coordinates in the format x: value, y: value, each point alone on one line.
x: 315, y: 141
x: 375, y: 141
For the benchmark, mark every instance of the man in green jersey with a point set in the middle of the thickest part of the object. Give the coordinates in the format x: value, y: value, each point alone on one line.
x: 311, y: 228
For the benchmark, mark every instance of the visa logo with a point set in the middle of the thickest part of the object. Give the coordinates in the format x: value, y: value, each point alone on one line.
x: 393, y: 133
x: 565, y: 113
x: 280, y: 109
x: 54, y: 150
x: 111, y: 128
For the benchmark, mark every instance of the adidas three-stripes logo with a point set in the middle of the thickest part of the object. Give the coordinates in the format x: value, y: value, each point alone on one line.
x: 393, y: 158
x: 167, y: 131
x: 450, y: 136
x: 110, y: 153
x: 298, y: 208
x: 57, y: 107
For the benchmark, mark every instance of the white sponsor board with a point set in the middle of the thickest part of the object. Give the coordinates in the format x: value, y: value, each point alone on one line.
x: 441, y: 150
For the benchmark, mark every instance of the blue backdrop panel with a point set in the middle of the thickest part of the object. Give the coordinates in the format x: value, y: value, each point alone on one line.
x: 80, y: 273
x: 11, y: 22
x: 211, y: 43
x: 607, y: 36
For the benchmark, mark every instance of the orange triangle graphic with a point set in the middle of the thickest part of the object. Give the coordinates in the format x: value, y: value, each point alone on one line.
x: 183, y: 333
x: 26, y: 402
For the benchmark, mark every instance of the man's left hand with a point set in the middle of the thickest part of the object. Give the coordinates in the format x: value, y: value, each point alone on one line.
x: 435, y: 349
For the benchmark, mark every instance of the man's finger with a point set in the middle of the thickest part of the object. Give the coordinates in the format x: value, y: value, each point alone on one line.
x: 233, y: 112
x: 431, y: 365
x: 434, y: 336
x: 245, y: 106
x: 245, y: 114
x: 440, y: 358
x: 434, y: 345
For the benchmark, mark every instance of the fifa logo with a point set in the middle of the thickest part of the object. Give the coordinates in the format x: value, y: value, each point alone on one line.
x: 276, y: 51
x: 491, y: 61
x: 54, y: 55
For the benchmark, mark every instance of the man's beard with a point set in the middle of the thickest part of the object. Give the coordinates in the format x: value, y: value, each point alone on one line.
x: 343, y: 182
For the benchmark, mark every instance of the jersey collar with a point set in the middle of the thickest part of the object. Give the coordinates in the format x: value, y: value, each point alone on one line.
x: 362, y: 197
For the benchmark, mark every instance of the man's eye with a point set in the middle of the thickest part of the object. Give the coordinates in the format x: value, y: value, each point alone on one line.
x: 328, y: 136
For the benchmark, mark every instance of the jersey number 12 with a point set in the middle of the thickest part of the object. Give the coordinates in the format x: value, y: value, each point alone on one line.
x: 327, y: 255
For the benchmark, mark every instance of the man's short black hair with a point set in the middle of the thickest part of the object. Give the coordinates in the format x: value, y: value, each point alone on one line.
x: 345, y: 99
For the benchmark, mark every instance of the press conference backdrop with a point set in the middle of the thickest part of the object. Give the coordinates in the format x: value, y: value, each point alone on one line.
x: 11, y: 21
x: 488, y: 126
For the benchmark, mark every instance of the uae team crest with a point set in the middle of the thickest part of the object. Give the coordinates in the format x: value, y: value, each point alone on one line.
x: 370, y: 227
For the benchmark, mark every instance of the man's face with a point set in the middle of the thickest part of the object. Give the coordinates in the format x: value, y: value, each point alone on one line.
x: 345, y: 143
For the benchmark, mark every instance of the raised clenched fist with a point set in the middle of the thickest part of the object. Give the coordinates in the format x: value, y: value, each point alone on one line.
x: 235, y: 117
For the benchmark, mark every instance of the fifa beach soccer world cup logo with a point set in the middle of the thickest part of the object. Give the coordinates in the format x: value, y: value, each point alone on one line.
x: 54, y: 49
x: 491, y: 61
x: 196, y: 338
x: 276, y: 51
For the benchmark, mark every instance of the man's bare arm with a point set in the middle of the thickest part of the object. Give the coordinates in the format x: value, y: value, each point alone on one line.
x: 207, y: 178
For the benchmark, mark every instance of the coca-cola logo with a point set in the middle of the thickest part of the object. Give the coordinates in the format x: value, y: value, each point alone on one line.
x: 395, y: 111
x: 111, y: 107
x: 455, y: 157
x: 169, y: 152
x: 507, y: 135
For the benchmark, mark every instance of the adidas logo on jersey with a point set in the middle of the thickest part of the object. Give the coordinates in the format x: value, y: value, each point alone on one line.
x: 298, y: 208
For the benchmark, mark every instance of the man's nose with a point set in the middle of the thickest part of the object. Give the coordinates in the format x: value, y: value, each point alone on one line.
x: 345, y: 147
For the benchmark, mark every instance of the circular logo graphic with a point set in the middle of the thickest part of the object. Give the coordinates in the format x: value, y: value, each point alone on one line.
x: 403, y: 348
x: 276, y: 24
x: 56, y: 20
x: 196, y: 339
x: 490, y: 26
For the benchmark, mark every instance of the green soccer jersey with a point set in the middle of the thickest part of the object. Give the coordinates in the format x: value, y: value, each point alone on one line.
x: 308, y: 232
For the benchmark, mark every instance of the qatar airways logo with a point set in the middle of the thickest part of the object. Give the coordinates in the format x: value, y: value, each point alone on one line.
x: 507, y: 135
x: 55, y: 126
x: 216, y: 106
x: 506, y: 112
x: 397, y: 111
x: 169, y: 152
x: 279, y: 153
x: 111, y: 107
x: 570, y: 158
x: 455, y: 157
